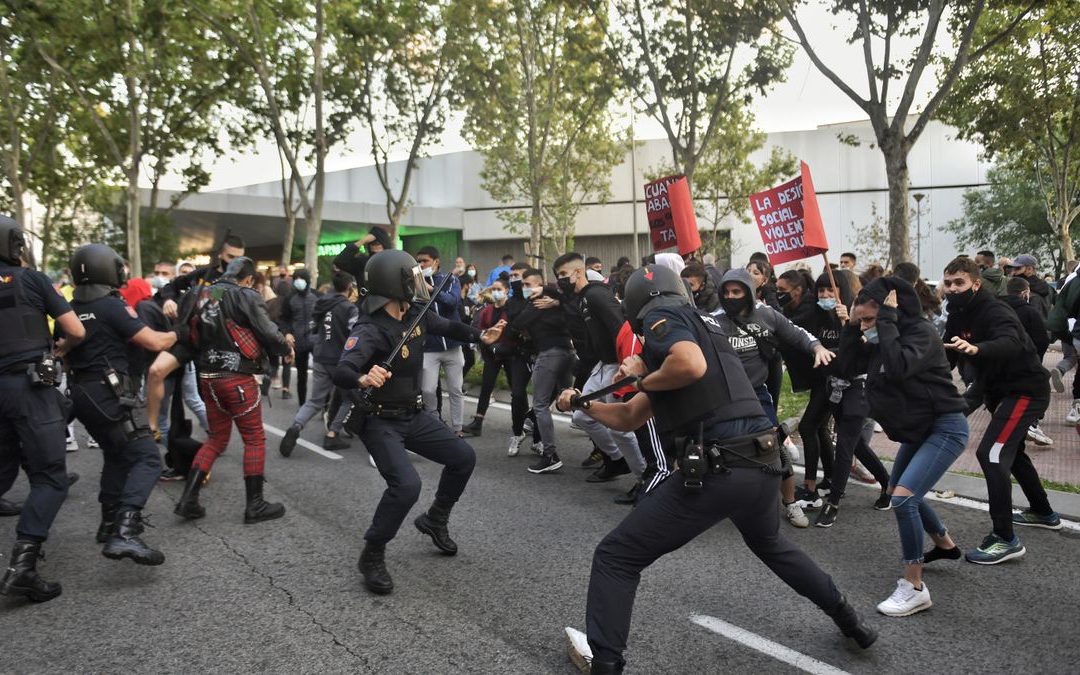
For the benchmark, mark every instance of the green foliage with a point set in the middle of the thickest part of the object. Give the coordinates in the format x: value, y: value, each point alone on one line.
x: 1021, y: 101
x: 1007, y: 216
x: 695, y: 67
x: 536, y: 88
x: 397, y: 59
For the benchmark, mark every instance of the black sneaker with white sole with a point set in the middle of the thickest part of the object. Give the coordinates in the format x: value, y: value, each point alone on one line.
x: 883, y: 502
x: 826, y: 517
x: 807, y: 499
x: 547, y: 464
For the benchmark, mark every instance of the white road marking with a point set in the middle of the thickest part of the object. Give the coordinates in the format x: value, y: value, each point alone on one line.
x: 774, y: 649
x: 307, y: 444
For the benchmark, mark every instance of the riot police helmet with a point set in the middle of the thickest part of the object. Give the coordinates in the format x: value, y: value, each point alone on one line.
x: 96, y: 271
x: 651, y: 287
x: 392, y: 275
x: 12, y: 241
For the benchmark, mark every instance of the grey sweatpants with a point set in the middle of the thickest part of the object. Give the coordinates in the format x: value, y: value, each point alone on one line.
x: 614, y: 444
x: 451, y: 361
x: 322, y: 385
x: 550, y: 368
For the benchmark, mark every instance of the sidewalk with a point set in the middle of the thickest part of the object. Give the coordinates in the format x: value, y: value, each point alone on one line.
x: 1059, y: 462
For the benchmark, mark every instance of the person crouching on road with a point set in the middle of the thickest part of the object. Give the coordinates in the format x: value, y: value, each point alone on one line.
x: 390, y: 417
x: 232, y: 333
x: 697, y: 388
x: 910, y: 391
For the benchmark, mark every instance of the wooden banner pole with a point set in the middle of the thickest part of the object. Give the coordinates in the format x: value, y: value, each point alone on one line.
x: 832, y: 279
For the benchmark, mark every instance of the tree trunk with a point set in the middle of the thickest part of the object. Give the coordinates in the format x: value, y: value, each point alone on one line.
x: 1064, y: 237
x: 134, y: 249
x: 314, y: 216
x: 896, y: 170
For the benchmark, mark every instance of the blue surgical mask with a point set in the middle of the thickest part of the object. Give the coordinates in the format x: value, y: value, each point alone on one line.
x: 527, y: 292
x: 300, y: 285
x: 827, y: 304
x: 498, y: 296
x: 871, y: 335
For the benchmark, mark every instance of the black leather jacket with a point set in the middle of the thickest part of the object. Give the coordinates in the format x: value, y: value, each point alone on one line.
x: 232, y: 330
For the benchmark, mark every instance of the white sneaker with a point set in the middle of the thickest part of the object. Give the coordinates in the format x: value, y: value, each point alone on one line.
x: 1073, y: 416
x: 1036, y: 436
x: 795, y: 515
x: 579, y: 649
x: 538, y: 447
x: 515, y: 444
x: 72, y: 444
x: 905, y: 600
x: 792, y: 449
x: 91, y: 443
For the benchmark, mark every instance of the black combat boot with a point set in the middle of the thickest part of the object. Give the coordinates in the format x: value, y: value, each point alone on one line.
x: 474, y: 428
x: 258, y: 509
x: 433, y: 523
x: 124, y: 541
x: 852, y: 625
x: 188, y: 506
x: 373, y: 566
x: 21, y: 577
x: 108, y: 518
x: 606, y: 667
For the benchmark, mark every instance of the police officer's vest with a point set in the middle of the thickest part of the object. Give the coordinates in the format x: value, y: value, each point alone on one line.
x: 25, y: 327
x: 724, y: 393
x: 403, y: 389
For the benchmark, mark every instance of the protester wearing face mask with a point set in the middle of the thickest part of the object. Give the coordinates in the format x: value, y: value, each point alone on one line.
x: 163, y: 274
x: 231, y: 248
x: 910, y: 390
x: 757, y: 334
x: 830, y: 314
x: 702, y: 287
x: 297, y: 320
x: 1014, y: 386
x: 550, y: 341
x: 495, y: 357
x: 442, y: 353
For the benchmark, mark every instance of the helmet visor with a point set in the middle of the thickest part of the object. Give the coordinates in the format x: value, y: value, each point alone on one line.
x: 421, y: 291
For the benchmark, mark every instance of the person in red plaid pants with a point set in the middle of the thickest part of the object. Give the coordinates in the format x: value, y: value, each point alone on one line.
x: 232, y: 334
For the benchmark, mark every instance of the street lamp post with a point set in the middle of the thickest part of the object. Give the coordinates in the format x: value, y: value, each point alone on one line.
x: 918, y: 197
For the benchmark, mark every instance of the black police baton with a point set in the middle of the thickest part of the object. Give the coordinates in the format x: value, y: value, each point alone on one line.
x: 363, y: 396
x: 580, y: 400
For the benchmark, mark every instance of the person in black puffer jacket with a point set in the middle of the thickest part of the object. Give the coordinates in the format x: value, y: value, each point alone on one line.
x: 911, y: 393
x: 297, y: 320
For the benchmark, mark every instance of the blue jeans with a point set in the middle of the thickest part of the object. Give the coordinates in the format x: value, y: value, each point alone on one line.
x: 918, y: 468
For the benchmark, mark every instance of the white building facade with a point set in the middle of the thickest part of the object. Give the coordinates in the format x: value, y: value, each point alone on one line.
x: 450, y: 209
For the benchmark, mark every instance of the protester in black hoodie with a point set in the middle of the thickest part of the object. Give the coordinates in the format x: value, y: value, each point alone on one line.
x: 1020, y: 299
x: 333, y: 316
x: 910, y: 391
x: 1015, y: 388
x: 813, y: 426
x: 702, y: 286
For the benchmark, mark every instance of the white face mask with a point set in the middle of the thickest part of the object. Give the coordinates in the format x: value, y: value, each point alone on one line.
x: 158, y: 283
x: 299, y: 284
x: 428, y: 272
x: 498, y: 296
x: 472, y: 273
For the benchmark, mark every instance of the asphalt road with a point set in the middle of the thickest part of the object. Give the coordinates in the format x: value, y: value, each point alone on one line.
x: 285, y: 596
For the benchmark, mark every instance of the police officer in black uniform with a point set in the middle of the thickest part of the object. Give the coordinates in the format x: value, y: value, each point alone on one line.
x: 729, y: 464
x: 105, y: 389
x: 33, y: 413
x: 390, y: 418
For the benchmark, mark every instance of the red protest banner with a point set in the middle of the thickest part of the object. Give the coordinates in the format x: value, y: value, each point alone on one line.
x: 658, y: 212
x: 789, y: 220
x: 682, y: 214
x: 670, y: 211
